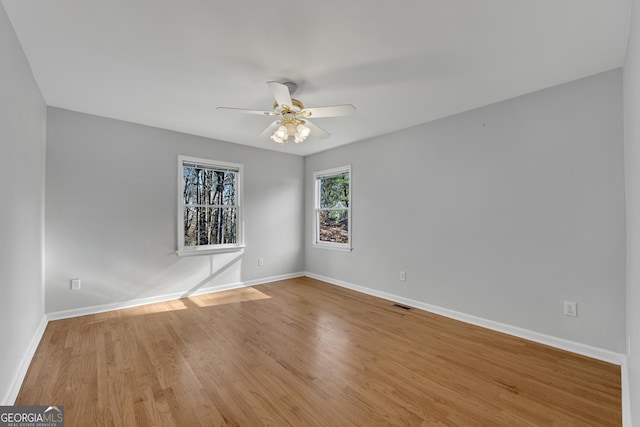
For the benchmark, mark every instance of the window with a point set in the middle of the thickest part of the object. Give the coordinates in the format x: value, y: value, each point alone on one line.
x: 333, y: 208
x: 209, y: 206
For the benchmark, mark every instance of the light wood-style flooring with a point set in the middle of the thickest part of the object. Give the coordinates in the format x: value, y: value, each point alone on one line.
x: 301, y: 352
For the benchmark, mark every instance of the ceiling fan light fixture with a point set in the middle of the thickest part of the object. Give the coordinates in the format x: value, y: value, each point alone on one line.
x: 280, y: 135
x: 291, y: 126
x: 303, y: 130
x: 291, y: 112
x: 281, y: 132
x: 291, y: 129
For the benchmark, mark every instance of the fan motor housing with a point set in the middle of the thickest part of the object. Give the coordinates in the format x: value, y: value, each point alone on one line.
x: 296, y: 103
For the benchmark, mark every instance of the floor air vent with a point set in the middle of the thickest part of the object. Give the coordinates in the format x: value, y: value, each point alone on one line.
x: 404, y: 307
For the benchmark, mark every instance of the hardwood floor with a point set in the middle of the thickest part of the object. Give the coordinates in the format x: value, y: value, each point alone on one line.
x: 305, y: 353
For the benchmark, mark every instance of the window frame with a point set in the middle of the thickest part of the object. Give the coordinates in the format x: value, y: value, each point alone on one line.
x: 218, y: 248
x: 317, y: 176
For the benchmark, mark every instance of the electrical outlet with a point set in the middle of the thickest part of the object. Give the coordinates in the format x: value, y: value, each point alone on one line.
x: 570, y: 308
x: 260, y: 262
x: 75, y: 284
x: 403, y: 276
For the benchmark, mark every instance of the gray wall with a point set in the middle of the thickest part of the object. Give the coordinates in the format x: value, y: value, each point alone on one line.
x: 111, y: 213
x: 22, y: 157
x: 632, y: 168
x: 501, y: 212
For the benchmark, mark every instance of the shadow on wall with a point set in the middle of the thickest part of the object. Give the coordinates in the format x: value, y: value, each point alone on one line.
x: 215, y: 271
x: 118, y: 279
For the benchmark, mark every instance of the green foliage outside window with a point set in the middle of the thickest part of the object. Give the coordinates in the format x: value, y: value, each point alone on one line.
x: 333, y: 210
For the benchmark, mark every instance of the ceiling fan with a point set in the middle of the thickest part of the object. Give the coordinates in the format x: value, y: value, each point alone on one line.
x: 293, y: 117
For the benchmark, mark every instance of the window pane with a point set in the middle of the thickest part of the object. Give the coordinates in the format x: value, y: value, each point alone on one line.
x: 223, y: 224
x: 200, y: 190
x: 223, y: 190
x: 229, y: 192
x: 210, y: 226
x: 197, y: 185
x: 202, y: 229
x: 334, y: 191
x: 334, y: 226
x: 190, y: 187
x: 190, y: 227
x: 209, y: 187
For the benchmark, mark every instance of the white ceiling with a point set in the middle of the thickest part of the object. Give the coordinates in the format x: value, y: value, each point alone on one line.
x: 171, y: 63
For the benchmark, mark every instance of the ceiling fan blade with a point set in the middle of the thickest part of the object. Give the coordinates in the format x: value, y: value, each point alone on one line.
x: 331, y: 111
x: 280, y: 93
x: 270, y: 129
x: 316, y: 131
x: 245, y: 111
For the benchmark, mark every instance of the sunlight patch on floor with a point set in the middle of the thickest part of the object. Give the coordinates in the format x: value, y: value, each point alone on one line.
x: 229, y: 297
x: 159, y: 307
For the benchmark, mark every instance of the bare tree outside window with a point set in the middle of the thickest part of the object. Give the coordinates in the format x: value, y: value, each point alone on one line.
x: 210, y: 208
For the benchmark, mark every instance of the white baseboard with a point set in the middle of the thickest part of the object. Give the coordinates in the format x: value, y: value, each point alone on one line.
x: 626, y: 396
x: 583, y: 349
x: 10, y: 398
x: 65, y: 314
x: 561, y: 343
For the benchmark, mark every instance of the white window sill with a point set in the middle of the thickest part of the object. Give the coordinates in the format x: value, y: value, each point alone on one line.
x: 209, y: 251
x: 332, y: 248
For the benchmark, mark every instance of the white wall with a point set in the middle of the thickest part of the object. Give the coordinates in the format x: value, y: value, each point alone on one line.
x: 22, y: 157
x: 111, y: 213
x: 501, y: 212
x: 632, y: 168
